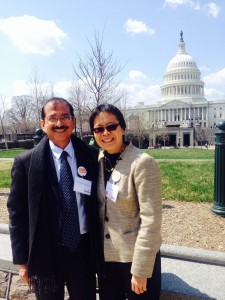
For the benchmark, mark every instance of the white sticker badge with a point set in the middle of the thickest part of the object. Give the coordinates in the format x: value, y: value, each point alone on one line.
x: 116, y: 176
x: 82, y: 171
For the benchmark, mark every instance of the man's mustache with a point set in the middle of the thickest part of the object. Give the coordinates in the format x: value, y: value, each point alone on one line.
x: 60, y: 127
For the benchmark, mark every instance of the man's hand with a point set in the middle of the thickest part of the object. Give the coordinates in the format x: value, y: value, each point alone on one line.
x: 138, y: 284
x: 23, y: 273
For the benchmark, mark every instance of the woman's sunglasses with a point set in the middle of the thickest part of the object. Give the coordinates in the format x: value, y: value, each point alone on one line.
x: 109, y: 128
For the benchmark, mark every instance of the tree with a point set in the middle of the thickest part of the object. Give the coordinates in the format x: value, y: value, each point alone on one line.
x: 39, y: 93
x: 163, y: 137
x: 3, y: 112
x: 200, y: 134
x: 20, y: 114
x: 137, y: 130
x: 78, y: 98
x: 98, y: 72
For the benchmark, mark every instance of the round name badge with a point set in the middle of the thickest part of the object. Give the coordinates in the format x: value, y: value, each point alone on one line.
x: 82, y: 171
x: 116, y: 176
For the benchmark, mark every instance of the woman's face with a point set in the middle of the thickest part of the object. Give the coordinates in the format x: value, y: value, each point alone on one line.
x: 110, y: 141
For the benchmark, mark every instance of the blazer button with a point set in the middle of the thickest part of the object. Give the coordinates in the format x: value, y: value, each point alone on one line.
x: 106, y: 219
x: 107, y: 236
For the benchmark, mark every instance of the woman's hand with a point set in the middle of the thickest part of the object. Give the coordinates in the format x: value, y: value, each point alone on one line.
x: 138, y: 284
x: 23, y: 273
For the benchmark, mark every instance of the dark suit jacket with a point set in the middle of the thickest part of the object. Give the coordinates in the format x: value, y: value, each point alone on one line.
x: 34, y: 203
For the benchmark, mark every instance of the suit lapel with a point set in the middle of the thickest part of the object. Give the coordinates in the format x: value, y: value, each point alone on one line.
x: 52, y: 176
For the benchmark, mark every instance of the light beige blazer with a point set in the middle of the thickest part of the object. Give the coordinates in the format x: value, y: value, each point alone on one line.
x: 132, y: 231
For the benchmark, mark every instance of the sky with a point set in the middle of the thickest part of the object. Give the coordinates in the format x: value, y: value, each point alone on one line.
x: 48, y: 36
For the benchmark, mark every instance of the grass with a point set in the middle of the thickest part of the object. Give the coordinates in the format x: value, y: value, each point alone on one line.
x: 190, y: 179
x: 182, y: 153
x: 5, y: 173
x: 6, y: 166
x: 10, y: 153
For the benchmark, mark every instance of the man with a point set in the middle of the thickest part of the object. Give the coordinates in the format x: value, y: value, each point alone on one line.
x: 38, y: 220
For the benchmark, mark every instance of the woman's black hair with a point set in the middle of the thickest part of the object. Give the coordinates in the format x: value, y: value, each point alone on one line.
x: 109, y: 108
x: 57, y: 99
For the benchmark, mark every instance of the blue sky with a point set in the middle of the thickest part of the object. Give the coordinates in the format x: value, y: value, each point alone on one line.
x: 47, y: 35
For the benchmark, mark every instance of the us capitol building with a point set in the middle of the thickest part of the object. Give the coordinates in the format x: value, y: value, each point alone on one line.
x: 182, y: 116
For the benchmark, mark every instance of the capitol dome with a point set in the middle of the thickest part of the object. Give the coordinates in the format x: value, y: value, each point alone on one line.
x: 181, y: 60
x: 182, y: 78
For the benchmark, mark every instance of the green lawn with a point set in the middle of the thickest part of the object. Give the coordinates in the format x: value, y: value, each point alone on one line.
x: 187, y: 173
x: 10, y: 153
x: 190, y: 179
x: 182, y: 153
x: 5, y: 166
x: 5, y: 169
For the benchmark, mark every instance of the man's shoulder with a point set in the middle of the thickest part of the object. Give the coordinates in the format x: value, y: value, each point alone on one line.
x: 37, y: 149
x: 25, y: 155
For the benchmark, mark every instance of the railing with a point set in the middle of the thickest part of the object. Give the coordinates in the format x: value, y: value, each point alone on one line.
x: 9, y: 281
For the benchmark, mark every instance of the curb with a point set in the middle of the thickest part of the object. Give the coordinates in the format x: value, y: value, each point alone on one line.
x: 176, y: 252
x: 193, y: 254
x: 4, y: 228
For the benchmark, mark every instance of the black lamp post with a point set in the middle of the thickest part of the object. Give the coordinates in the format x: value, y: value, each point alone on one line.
x: 219, y: 172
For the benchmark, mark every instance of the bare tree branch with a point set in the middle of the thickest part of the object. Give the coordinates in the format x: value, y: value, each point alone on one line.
x: 39, y: 94
x: 98, y: 72
x: 21, y: 114
x: 3, y: 112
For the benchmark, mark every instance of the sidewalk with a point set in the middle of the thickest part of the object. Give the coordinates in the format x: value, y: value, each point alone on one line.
x: 189, y: 271
x: 194, y: 272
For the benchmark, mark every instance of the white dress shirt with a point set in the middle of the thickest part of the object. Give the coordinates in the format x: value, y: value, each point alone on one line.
x: 56, y: 152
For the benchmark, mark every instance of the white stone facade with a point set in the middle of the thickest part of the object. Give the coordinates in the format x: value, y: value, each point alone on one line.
x: 182, y: 112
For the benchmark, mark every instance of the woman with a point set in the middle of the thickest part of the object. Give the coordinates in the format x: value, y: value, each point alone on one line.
x: 129, y: 192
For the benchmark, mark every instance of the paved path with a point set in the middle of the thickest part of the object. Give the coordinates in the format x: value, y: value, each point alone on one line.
x: 195, y: 279
x: 9, y: 159
x: 190, y: 271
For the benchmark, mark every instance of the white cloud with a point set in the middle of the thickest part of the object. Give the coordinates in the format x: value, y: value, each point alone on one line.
x: 33, y: 35
x: 217, y: 78
x: 61, y: 88
x: 213, y: 9
x: 175, y: 3
x: 214, y: 94
x: 137, y: 27
x: 139, y: 88
x: 20, y: 87
x: 214, y: 79
x: 137, y: 75
x: 204, y: 69
x: 149, y: 94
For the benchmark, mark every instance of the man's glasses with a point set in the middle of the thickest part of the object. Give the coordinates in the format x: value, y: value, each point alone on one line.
x: 109, y: 128
x: 63, y: 119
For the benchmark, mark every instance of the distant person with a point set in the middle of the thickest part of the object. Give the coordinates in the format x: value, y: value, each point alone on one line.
x: 53, y: 228
x: 130, y: 201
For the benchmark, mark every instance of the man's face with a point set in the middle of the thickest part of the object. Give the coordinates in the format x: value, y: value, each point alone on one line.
x: 59, y: 132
